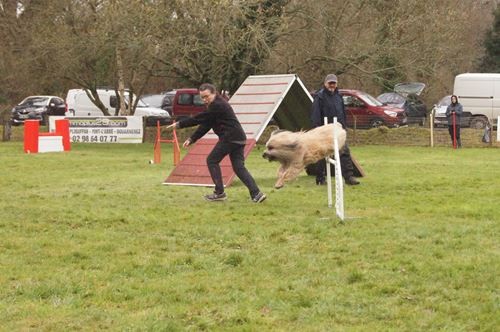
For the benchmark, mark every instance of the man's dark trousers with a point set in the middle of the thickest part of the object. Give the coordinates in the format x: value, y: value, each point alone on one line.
x: 345, y: 164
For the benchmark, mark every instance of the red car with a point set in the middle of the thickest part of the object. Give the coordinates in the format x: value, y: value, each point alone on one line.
x: 178, y: 103
x: 365, y: 111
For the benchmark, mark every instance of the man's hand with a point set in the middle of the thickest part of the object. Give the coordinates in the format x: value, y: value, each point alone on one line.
x: 186, y: 143
x: 172, y: 125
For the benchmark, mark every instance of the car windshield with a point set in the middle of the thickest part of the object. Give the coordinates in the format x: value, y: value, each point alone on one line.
x: 391, y: 98
x: 35, y: 101
x: 370, y: 100
x: 409, y: 88
x: 152, y: 100
x: 141, y: 103
x: 445, y: 101
x: 168, y: 100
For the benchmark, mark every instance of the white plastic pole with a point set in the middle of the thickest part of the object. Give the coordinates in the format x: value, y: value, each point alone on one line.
x: 431, y: 120
x: 328, y: 173
x: 339, y: 183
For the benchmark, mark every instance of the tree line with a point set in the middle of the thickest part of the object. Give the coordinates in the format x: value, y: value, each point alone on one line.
x: 49, y: 46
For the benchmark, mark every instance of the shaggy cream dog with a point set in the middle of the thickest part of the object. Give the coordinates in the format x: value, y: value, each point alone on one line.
x: 296, y: 150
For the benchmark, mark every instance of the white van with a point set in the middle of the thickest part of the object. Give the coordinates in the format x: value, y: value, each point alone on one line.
x: 479, y: 95
x: 79, y: 104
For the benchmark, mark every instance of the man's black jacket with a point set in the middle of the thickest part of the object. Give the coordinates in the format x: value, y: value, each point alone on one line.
x: 220, y: 117
x: 329, y: 104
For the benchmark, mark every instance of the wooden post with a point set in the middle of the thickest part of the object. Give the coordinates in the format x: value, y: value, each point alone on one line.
x: 431, y: 120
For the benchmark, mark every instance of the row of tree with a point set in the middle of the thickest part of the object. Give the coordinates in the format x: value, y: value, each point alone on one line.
x: 49, y: 46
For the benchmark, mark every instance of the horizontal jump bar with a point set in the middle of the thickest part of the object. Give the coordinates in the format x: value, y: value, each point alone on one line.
x: 262, y: 84
x: 257, y: 93
x: 261, y: 103
x: 238, y: 113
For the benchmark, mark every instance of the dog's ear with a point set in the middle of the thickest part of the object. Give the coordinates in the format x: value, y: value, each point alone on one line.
x: 291, y: 146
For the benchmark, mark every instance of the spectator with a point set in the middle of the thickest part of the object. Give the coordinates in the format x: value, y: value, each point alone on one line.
x: 328, y: 103
x: 453, y: 114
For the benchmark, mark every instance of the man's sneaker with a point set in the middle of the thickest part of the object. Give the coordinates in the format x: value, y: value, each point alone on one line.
x: 259, y: 198
x: 215, y: 197
x: 351, y: 181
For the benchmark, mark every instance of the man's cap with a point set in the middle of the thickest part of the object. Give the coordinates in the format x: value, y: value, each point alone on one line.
x: 331, y: 78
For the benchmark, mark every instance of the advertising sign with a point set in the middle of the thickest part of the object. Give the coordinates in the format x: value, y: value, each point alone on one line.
x: 103, y: 129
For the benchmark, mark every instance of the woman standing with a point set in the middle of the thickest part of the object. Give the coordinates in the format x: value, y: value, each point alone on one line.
x: 453, y: 114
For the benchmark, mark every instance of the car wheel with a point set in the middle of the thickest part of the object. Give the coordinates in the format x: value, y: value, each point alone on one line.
x: 478, y: 122
x: 375, y: 123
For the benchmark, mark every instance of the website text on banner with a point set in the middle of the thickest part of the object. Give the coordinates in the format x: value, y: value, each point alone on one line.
x: 100, y: 129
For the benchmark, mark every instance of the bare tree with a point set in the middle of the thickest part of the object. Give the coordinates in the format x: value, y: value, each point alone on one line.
x: 491, y: 59
x: 373, y: 44
x: 12, y: 41
x: 220, y: 43
x: 90, y: 44
x: 55, y: 44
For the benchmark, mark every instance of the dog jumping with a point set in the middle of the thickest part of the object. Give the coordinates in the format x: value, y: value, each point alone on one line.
x: 296, y: 150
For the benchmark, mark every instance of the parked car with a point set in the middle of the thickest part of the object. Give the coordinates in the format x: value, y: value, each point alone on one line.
x: 440, y: 110
x: 440, y: 119
x: 79, y: 104
x: 178, y: 103
x: 37, y: 108
x: 186, y: 102
x: 365, y: 111
x: 162, y: 100
x: 406, y: 96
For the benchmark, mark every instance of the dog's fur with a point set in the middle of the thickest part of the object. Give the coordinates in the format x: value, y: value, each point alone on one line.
x: 296, y: 150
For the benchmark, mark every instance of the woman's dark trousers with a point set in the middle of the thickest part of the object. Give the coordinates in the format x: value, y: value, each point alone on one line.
x: 236, y: 155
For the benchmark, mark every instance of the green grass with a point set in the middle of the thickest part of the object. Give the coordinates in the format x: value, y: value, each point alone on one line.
x: 92, y: 240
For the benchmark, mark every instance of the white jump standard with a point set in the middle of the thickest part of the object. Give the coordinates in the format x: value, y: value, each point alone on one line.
x: 339, y: 184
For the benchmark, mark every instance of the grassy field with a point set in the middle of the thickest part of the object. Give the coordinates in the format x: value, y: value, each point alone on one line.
x: 92, y: 240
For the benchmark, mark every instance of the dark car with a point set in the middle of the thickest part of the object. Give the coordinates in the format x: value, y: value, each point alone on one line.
x: 365, y: 111
x: 37, y: 108
x: 178, y: 103
x: 406, y: 96
x: 162, y: 100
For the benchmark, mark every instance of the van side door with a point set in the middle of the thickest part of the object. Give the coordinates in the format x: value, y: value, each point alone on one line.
x: 476, y: 94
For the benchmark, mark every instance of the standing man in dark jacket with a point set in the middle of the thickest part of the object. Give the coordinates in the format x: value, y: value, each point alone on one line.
x: 220, y: 117
x: 328, y: 103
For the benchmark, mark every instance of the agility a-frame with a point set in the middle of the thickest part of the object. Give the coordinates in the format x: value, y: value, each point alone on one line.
x: 259, y: 99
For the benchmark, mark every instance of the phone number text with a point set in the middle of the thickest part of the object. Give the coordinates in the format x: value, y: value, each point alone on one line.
x: 94, y: 139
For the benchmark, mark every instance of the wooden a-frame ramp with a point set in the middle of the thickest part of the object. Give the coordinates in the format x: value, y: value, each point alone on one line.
x: 259, y: 99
